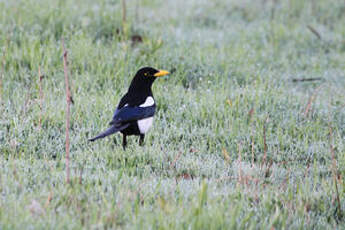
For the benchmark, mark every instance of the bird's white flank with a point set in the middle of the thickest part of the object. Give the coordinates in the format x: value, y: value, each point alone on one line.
x: 148, y: 102
x: 145, y: 124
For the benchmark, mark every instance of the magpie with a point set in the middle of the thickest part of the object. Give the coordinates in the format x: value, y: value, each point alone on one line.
x: 134, y: 114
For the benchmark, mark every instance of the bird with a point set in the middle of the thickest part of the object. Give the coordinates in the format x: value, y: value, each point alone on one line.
x: 136, y: 109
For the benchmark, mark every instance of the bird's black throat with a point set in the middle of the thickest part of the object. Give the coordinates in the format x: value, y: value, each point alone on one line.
x: 139, y: 90
x: 141, y: 85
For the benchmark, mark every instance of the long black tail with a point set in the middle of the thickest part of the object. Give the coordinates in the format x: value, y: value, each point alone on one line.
x: 109, y: 131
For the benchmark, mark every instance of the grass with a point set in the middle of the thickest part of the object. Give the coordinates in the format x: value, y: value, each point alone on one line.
x: 206, y: 163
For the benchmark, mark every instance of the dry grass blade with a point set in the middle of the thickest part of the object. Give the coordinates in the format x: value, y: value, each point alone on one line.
x: 173, y: 164
x: 229, y: 102
x: 49, y: 199
x: 311, y: 100
x: 268, y: 169
x: 226, y: 155
x: 251, y: 112
x: 68, y: 100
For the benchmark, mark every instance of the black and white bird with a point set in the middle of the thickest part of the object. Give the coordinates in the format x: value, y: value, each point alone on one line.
x: 134, y: 114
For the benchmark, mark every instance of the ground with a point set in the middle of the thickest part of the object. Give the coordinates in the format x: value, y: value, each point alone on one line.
x: 238, y: 141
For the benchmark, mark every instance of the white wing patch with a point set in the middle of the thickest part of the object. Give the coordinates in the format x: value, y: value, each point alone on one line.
x: 148, y: 102
x: 145, y: 124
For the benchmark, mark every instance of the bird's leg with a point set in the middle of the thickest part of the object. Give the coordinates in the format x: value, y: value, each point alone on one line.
x: 124, y: 141
x: 141, y: 139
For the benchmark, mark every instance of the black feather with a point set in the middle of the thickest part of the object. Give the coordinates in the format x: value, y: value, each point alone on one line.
x: 127, y: 114
x: 113, y: 129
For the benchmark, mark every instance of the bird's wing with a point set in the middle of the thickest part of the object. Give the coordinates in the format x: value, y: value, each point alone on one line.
x: 126, y: 114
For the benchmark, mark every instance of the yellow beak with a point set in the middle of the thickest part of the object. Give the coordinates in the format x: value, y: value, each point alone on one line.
x: 161, y: 73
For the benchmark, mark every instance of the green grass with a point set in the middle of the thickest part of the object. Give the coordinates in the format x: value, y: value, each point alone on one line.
x: 233, y: 63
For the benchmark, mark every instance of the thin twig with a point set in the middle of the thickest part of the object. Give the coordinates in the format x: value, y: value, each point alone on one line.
x: 314, y: 31
x: 81, y: 175
x: 2, y: 73
x: 137, y: 11
x: 27, y: 102
x: 342, y: 106
x: 253, y: 148
x: 334, y: 168
x: 265, y: 143
x: 274, y: 3
x: 306, y: 79
x: 40, y: 78
x: 68, y: 100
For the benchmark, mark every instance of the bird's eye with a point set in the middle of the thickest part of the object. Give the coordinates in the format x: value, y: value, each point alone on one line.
x: 145, y: 74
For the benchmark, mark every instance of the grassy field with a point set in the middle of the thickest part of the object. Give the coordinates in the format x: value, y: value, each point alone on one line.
x: 238, y: 141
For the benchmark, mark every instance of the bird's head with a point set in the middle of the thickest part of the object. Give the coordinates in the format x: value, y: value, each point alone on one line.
x: 146, y: 76
x: 151, y: 73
